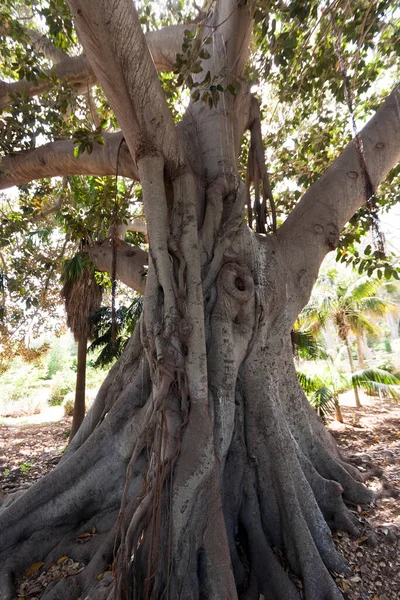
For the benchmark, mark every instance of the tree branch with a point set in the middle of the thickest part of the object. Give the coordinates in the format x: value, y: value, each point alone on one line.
x: 313, y: 227
x: 163, y: 44
x: 75, y: 70
x: 219, y: 129
x: 136, y: 225
x: 39, y: 41
x: 131, y: 261
x: 126, y: 72
x: 57, y: 159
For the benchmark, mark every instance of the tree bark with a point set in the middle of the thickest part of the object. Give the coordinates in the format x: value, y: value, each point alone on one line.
x: 80, y: 388
x: 57, y: 158
x: 163, y: 45
x: 201, y: 463
x: 352, y: 370
x: 131, y: 263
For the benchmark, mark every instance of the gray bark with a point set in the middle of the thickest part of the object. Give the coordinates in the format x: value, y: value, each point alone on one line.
x: 57, y: 158
x: 77, y: 71
x: 131, y: 262
x: 201, y: 461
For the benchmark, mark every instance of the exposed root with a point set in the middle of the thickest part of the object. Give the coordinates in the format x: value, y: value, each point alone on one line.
x: 189, y: 499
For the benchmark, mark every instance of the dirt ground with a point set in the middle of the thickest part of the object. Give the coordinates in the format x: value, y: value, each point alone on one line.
x: 370, y: 436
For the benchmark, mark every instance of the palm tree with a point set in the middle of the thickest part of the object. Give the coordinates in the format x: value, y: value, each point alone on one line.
x: 82, y: 297
x: 350, y: 303
x: 323, y: 390
x: 126, y: 319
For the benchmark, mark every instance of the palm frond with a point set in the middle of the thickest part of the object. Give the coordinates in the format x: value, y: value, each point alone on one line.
x: 126, y: 319
x: 72, y: 268
x: 307, y: 345
x: 361, y: 288
x: 360, y: 323
x: 309, y: 383
x: 377, y: 306
x: 324, y: 402
x: 81, y: 293
x: 376, y: 381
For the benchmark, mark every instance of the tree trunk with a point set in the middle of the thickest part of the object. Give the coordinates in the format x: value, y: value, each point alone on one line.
x: 338, y: 411
x: 361, y: 362
x: 261, y: 475
x: 366, y: 349
x: 392, y: 321
x: 201, y: 471
x: 80, y: 389
x: 352, y: 370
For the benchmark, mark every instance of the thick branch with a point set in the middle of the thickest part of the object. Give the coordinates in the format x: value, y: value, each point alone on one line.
x: 136, y: 225
x: 313, y: 227
x: 57, y: 159
x: 131, y: 261
x: 75, y: 70
x: 39, y: 41
x: 126, y: 72
x: 163, y: 44
x: 219, y: 129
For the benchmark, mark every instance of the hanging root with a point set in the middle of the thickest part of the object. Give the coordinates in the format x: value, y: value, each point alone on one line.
x: 257, y: 174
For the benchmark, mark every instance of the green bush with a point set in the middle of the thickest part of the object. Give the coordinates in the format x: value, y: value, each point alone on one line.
x: 60, y: 356
x: 62, y: 383
x: 68, y: 404
x: 22, y: 391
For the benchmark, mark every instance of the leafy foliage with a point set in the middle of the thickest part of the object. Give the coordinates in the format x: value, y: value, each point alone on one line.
x: 323, y: 390
x: 347, y: 301
x: 306, y: 344
x: 82, y: 294
x: 126, y: 321
x: 377, y: 382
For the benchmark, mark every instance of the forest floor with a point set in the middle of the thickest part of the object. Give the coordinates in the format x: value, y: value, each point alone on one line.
x: 31, y: 446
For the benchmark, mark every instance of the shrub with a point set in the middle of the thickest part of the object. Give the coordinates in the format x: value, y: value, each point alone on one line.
x: 62, y: 383
x: 68, y: 404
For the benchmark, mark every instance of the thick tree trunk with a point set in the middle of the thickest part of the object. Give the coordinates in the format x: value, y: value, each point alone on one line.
x: 212, y: 519
x: 201, y: 467
x: 352, y: 370
x: 80, y: 388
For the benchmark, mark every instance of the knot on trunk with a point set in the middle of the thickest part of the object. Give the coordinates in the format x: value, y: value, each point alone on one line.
x: 236, y: 292
x: 237, y: 281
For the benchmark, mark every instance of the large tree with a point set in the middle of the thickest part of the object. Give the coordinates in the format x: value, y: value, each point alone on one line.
x: 201, y: 464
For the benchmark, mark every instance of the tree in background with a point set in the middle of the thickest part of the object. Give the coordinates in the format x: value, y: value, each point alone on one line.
x: 201, y: 461
x: 82, y: 296
x: 323, y: 390
x: 350, y: 302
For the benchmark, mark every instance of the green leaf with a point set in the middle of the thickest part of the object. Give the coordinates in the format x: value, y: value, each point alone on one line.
x: 204, y: 54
